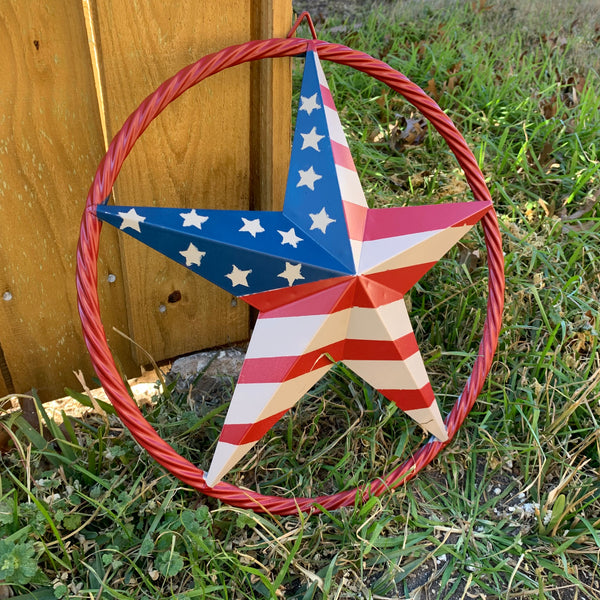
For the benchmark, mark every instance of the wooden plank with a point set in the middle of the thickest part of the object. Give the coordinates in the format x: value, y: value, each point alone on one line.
x: 271, y: 109
x: 50, y: 145
x: 196, y: 154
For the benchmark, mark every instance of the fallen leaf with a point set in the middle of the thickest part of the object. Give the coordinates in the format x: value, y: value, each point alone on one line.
x: 555, y: 41
x: 432, y: 89
x: 572, y: 90
x: 454, y: 78
x: 588, y: 205
x: 549, y: 107
x: 545, y: 156
x: 408, y: 132
x: 577, y: 227
x: 382, y: 102
x: 472, y: 259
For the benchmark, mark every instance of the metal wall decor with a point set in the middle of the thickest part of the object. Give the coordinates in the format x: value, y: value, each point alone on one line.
x: 328, y: 275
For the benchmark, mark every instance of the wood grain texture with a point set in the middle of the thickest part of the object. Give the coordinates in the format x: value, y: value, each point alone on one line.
x: 50, y: 145
x: 271, y: 109
x: 196, y: 154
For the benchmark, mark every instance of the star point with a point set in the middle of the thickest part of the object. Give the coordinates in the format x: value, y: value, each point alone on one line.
x: 131, y: 220
x: 252, y: 226
x: 308, y: 178
x: 193, y: 219
x: 238, y: 277
x: 309, y: 104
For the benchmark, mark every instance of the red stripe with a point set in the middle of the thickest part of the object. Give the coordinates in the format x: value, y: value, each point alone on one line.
x: 342, y: 156
x: 284, y: 368
x: 411, y: 399
x: 400, y: 349
x: 400, y: 280
x: 356, y: 217
x: 333, y: 295
x: 327, y: 97
x: 245, y: 433
x: 273, y: 303
x: 372, y: 294
x: 396, y: 221
x: 327, y: 301
x: 364, y: 291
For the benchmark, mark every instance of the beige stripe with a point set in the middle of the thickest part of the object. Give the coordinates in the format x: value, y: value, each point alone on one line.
x: 431, y: 420
x: 409, y: 374
x: 388, y: 322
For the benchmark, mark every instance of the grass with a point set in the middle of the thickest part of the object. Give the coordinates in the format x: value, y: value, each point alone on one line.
x: 511, y: 509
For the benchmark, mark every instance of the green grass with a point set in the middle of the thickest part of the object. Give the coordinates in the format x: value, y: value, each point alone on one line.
x: 511, y: 508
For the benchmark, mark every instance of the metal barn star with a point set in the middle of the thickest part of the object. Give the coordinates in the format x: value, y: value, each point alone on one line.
x: 327, y: 274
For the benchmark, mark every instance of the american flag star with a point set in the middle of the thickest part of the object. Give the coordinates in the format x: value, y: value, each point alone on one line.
x: 335, y: 294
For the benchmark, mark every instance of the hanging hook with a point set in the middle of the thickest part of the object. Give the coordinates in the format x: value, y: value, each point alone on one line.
x: 303, y: 15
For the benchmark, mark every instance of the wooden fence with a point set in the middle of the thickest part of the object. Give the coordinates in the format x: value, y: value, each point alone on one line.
x: 71, y: 71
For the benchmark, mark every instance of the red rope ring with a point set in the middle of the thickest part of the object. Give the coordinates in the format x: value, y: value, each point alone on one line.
x: 87, y: 255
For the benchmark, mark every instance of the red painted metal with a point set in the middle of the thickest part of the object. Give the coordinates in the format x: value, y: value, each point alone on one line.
x: 87, y: 254
x: 303, y: 15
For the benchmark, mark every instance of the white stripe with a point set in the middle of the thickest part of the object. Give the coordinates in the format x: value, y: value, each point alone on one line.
x: 409, y: 374
x: 336, y: 132
x: 408, y: 250
x: 284, y: 336
x: 293, y: 336
x: 254, y: 402
x: 350, y: 186
x: 320, y: 74
x: 376, y: 252
x: 388, y: 322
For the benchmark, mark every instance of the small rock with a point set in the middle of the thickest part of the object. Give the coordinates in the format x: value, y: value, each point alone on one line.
x: 207, y: 377
x: 212, y: 363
